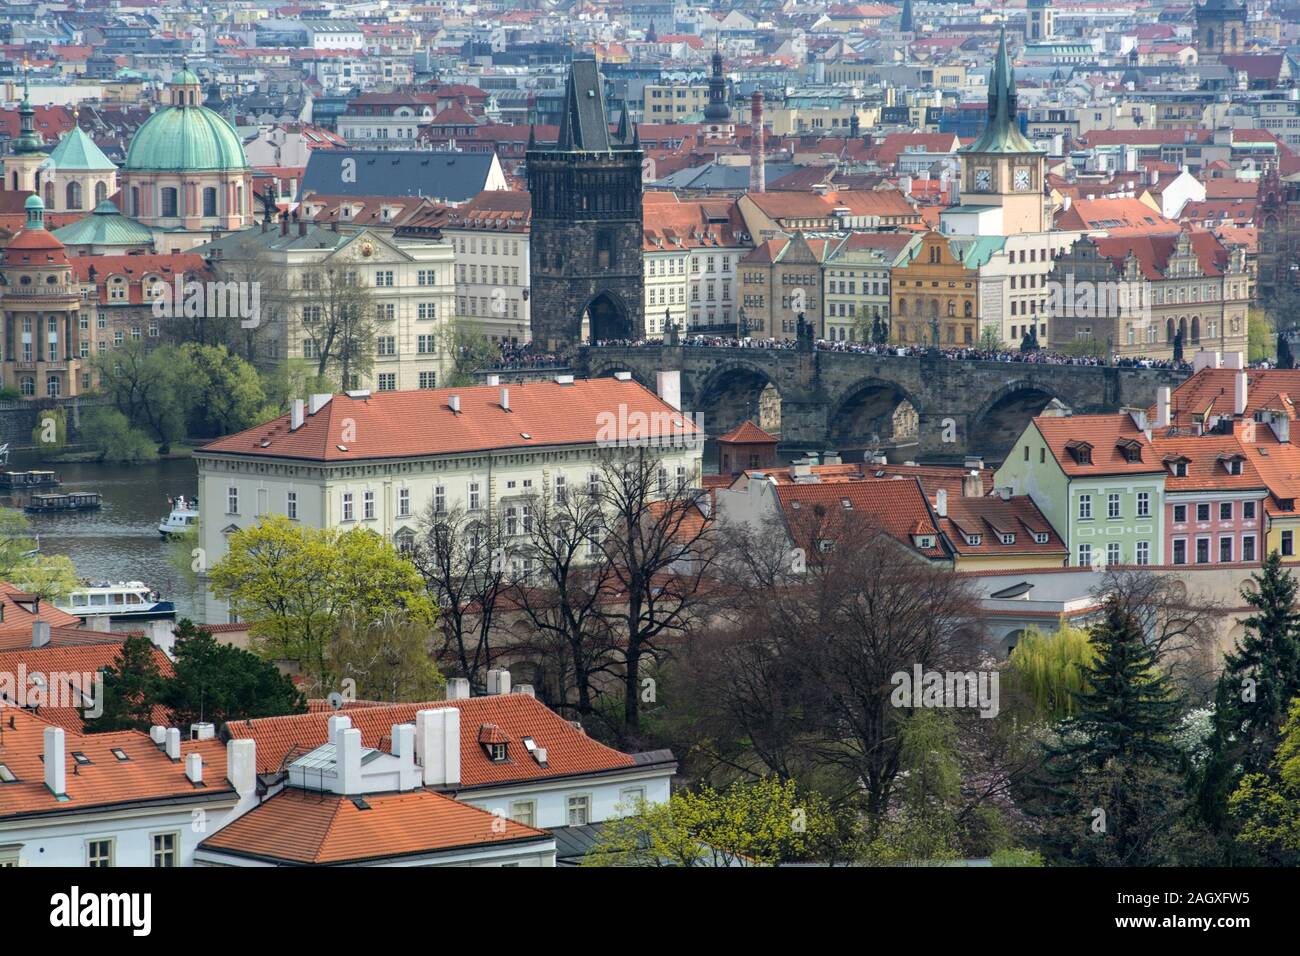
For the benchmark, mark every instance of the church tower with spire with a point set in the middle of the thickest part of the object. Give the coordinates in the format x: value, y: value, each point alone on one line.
x: 1002, y: 169
x: 585, y: 243
x: 718, y: 113
x: 27, y: 151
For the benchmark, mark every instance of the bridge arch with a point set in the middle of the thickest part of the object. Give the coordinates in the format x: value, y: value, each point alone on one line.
x: 874, y: 410
x: 1004, y: 415
x: 735, y: 392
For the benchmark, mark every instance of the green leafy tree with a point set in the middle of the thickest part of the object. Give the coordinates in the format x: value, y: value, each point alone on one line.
x: 763, y: 823
x: 921, y: 827
x: 49, y: 575
x: 50, y: 433
x: 1267, y: 805
x: 148, y: 386
x: 1261, y: 676
x: 1260, y: 336
x: 990, y: 339
x: 1112, y: 784
x: 1045, y: 672
x: 133, y: 686
x: 470, y: 350
x: 111, y: 436
x: 224, y: 392
x: 389, y: 658
x: 287, y: 380
x: 295, y: 584
x: 217, y: 682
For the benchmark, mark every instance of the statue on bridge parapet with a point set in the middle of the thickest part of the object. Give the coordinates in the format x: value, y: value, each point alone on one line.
x: 803, y: 334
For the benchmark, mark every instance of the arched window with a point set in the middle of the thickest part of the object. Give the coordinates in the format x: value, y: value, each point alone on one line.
x: 101, y: 192
x: 135, y: 201
x: 169, y: 205
x: 28, y: 385
x: 1169, y: 330
x: 210, y: 201
x: 73, y: 195
x: 952, y: 309
x: 52, y: 386
x: 1196, y: 328
x: 968, y: 310
x: 49, y: 195
x: 902, y: 307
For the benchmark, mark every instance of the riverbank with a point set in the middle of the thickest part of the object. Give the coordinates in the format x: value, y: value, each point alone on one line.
x: 177, y: 453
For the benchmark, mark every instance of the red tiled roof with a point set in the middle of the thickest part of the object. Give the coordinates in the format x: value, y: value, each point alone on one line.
x: 1205, y: 469
x: 1103, y: 433
x: 148, y: 774
x: 298, y: 826
x: 747, y: 433
x: 989, y: 516
x: 898, y: 508
x: 421, y: 422
x: 569, y: 751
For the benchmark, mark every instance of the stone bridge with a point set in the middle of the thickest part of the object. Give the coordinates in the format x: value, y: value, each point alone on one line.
x: 945, y: 408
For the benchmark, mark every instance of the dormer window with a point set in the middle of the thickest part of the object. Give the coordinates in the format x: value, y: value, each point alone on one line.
x: 1008, y: 538
x: 1232, y: 464
x: 1080, y: 451
x: 496, y: 752
x: 1131, y: 450
x: 1040, y: 537
x: 494, y: 743
x: 924, y: 541
x: 974, y: 539
x: 1178, y: 466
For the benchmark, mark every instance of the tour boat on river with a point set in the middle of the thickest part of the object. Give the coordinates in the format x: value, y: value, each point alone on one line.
x: 125, y: 599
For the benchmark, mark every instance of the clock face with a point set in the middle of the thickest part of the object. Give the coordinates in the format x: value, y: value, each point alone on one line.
x: 983, y: 178
x: 1021, y: 181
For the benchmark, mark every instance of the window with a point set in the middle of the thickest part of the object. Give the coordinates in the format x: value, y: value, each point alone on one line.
x: 1225, y: 550
x: 1248, y: 511
x: 1112, y: 505
x: 1144, y: 552
x: 1144, y: 504
x: 440, y: 499
x: 1248, y: 547
x: 1202, y: 550
x: 1288, y: 543
x: 1180, y: 551
x: 164, y: 849
x: 403, y: 502
x: 347, y: 506
x: 99, y: 853
x: 232, y: 501
x: 496, y: 752
x: 1180, y: 514
x: 169, y: 201
x: 1085, y: 507
x: 473, y: 496
x: 579, y: 809
x: 368, y: 505
x: 1085, y: 555
x: 291, y: 505
x: 210, y: 201
x: 524, y: 812
x: 1225, y: 510
x: 561, y: 490
x: 631, y: 797
x: 1112, y: 553
x: 1203, y: 512
x: 428, y: 380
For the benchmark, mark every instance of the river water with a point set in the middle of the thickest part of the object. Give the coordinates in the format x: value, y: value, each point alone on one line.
x: 120, y: 542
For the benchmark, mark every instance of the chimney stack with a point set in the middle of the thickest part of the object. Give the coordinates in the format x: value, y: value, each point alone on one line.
x: 1164, y: 397
x: 173, y: 747
x: 458, y: 688
x: 505, y: 399
x: 194, y: 768
x: 498, y: 681
x: 347, y: 761
x: 757, y: 144
x: 437, y: 745
x: 241, y: 765
x: 1239, y: 395
x: 454, y: 403
x: 941, y: 503
x: 297, y: 413
x: 56, y: 771
x: 494, y: 379
x: 40, y: 633
x: 669, y: 387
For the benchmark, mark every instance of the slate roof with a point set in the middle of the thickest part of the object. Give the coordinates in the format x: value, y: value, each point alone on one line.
x: 452, y: 177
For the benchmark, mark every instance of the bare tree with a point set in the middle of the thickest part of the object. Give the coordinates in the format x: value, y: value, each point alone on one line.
x: 563, y: 589
x: 658, y: 543
x: 338, y: 311
x: 459, y: 554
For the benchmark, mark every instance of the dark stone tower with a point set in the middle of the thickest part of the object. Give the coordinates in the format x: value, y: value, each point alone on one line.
x: 586, y: 235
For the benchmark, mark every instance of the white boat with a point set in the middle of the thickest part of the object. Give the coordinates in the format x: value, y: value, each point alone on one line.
x: 125, y: 599
x: 183, y: 517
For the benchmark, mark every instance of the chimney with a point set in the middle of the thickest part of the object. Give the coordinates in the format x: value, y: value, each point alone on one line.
x: 458, y: 688
x: 403, y: 740
x: 347, y: 761
x: 173, y: 744
x: 1239, y: 395
x: 202, y: 731
x: 941, y: 503
x: 241, y: 765
x: 40, y: 633
x: 1139, y: 416
x: 318, y: 401
x: 757, y: 144
x: 158, y: 734
x: 1005, y: 493
x: 669, y: 388
x: 161, y: 636
x: 336, y: 725
x: 194, y: 768
x: 297, y: 412
x: 1233, y: 360
x: 1205, y: 359
x: 525, y: 689
x: 100, y: 623
x: 505, y: 399
x: 494, y: 379
x: 972, y: 486
x: 453, y: 402
x: 56, y: 770
x: 498, y: 681
x: 437, y: 746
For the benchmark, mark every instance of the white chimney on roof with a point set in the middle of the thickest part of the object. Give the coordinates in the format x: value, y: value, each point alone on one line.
x: 623, y: 376
x: 194, y: 768
x: 669, y: 388
x: 458, y: 688
x: 494, y: 379
x: 158, y: 734
x: 941, y: 503
x: 56, y: 771
x: 203, y: 731
x: 1205, y: 359
x: 40, y: 633
x: 1234, y: 360
x: 453, y: 402
x: 335, y: 724
x: 437, y: 745
x: 318, y: 401
x: 1239, y: 394
x: 297, y: 412
x: 241, y: 765
x: 347, y: 761
x: 505, y: 399
x: 498, y: 681
x: 174, y: 744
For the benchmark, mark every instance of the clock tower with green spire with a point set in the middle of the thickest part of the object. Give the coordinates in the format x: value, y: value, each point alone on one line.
x: 1002, y: 168
x: 28, y: 152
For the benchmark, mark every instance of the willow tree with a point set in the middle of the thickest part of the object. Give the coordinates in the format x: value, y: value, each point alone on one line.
x: 1047, y: 672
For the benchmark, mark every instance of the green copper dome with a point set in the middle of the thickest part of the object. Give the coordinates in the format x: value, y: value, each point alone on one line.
x: 185, y: 138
